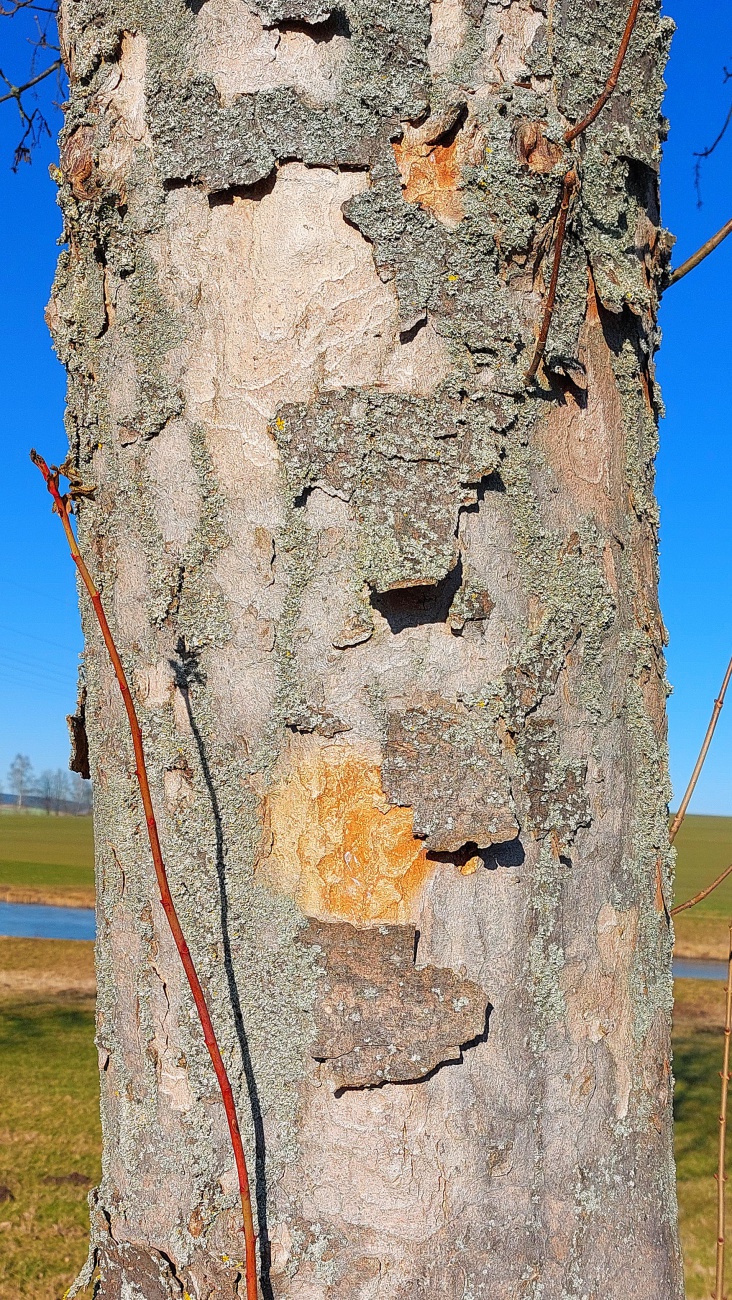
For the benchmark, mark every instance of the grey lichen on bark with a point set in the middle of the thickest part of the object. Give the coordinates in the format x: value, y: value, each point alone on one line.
x: 392, y: 623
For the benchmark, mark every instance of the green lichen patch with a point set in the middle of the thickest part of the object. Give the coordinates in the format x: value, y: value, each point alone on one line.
x: 405, y: 464
x: 454, y: 803
x: 557, y: 802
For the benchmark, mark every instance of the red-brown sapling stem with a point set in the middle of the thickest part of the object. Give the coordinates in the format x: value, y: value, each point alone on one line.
x: 61, y: 508
x: 572, y: 133
x: 570, y: 180
x: 718, y: 703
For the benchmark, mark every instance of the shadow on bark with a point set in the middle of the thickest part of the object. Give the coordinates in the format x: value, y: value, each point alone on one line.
x: 188, y: 673
x: 419, y: 606
x: 509, y: 853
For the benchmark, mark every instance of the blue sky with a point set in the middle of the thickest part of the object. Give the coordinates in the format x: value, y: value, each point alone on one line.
x: 39, y: 628
x: 695, y: 462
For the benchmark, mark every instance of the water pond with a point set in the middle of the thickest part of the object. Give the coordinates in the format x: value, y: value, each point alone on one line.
x: 695, y: 969
x: 36, y: 921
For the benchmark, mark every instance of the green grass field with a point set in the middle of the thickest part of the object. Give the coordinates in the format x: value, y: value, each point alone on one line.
x: 36, y: 839
x: 46, y: 859
x: 51, y: 859
x: 49, y: 1114
x: 698, y: 1045
x: 704, y: 848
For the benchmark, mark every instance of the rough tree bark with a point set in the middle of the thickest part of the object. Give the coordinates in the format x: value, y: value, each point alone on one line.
x: 391, y: 618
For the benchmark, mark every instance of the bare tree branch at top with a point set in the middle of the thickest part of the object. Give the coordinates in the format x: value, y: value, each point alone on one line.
x: 9, y: 11
x: 33, y: 118
x: 701, y: 154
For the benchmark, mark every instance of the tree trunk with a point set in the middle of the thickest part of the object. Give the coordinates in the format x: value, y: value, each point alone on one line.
x: 390, y: 615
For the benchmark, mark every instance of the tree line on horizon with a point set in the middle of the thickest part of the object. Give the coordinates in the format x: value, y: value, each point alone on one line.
x: 53, y: 789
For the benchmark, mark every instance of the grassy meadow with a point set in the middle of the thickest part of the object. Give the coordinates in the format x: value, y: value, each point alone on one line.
x: 46, y: 859
x: 49, y: 1120
x: 51, y: 860
x: 704, y: 848
x: 49, y: 1125
x: 698, y: 1043
x: 49, y: 1114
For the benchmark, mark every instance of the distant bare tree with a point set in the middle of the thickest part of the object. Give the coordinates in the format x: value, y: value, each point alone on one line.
x: 20, y: 777
x: 44, y: 789
x: 60, y: 791
x: 80, y: 793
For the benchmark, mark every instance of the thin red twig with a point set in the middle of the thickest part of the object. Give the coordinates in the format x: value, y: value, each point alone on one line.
x: 700, y: 254
x: 570, y: 180
x: 678, y: 819
x: 61, y: 508
x: 612, y: 81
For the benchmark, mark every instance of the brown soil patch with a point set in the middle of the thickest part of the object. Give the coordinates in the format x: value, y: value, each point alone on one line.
x: 35, y: 970
x: 47, y: 896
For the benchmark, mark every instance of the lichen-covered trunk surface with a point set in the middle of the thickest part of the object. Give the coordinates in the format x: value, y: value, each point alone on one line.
x: 391, y: 622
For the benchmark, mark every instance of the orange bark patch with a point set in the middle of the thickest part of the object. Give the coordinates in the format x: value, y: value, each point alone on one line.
x: 336, y: 844
x: 430, y: 176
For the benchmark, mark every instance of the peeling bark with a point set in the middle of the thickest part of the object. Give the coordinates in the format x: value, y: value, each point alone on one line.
x: 379, y: 1018
x: 392, y: 626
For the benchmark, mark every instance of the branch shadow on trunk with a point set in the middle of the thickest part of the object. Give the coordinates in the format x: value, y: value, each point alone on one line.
x: 188, y: 673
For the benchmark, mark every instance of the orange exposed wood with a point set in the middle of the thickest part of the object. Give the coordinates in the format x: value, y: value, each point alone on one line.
x: 77, y: 160
x: 336, y: 844
x: 431, y: 175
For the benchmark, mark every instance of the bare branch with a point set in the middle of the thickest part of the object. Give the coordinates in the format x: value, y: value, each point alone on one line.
x: 703, y: 893
x: 34, y: 122
x: 700, y: 254
x: 678, y: 819
x: 17, y: 5
x: 15, y: 92
x: 612, y: 80
x: 701, y: 154
x: 569, y: 183
x: 572, y: 181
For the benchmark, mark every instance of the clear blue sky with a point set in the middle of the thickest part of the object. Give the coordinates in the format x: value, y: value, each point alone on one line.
x: 39, y: 629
